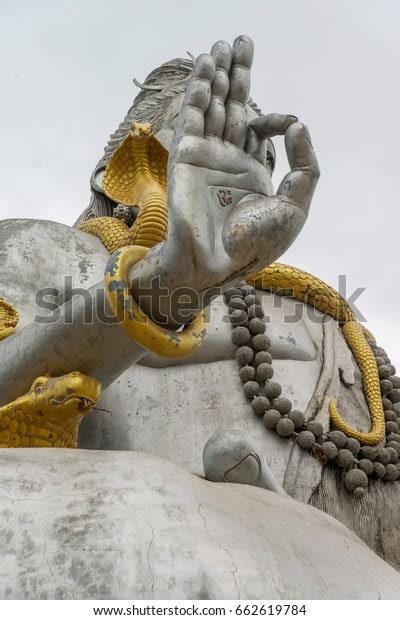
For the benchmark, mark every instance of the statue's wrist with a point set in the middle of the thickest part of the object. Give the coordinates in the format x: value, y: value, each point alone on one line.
x: 124, y: 293
x: 161, y: 294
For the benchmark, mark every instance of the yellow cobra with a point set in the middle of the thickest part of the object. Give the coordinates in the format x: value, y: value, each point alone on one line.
x: 49, y: 414
x: 137, y: 175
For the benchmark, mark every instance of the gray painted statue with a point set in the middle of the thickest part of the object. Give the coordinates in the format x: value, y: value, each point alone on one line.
x: 183, y: 200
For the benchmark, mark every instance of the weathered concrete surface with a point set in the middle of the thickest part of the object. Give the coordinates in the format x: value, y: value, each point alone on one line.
x: 111, y: 525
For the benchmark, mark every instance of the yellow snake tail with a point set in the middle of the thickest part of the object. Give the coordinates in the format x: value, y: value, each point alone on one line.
x: 285, y: 280
x: 358, y: 344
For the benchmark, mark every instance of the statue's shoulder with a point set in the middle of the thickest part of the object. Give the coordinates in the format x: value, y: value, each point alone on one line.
x: 39, y: 254
x: 46, y: 233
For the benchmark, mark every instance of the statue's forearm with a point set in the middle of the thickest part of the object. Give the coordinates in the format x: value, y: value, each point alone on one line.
x: 83, y: 338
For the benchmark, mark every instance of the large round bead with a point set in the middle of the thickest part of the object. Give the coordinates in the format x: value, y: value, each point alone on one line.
x: 345, y: 458
x: 338, y: 438
x: 247, y: 373
x: 367, y: 466
x: 257, y: 326
x: 355, y: 478
x: 255, y: 312
x: 384, y: 372
x: 353, y: 445
x: 240, y: 335
x: 382, y: 456
x: 263, y: 357
x: 238, y: 317
x: 265, y: 371
x: 392, y: 472
x: 260, y: 405
x: 271, y: 418
x: 251, y: 389
x: 244, y: 355
x: 232, y: 292
x: 297, y: 418
x: 272, y: 390
x: 261, y: 342
x: 315, y: 427
x: 237, y: 303
x: 285, y: 427
x: 306, y: 440
x: 283, y: 405
x: 329, y: 450
x: 394, y: 396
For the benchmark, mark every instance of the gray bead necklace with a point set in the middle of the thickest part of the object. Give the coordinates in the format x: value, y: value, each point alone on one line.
x: 360, y: 463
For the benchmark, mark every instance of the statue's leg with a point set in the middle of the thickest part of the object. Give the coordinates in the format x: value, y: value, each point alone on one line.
x: 229, y: 456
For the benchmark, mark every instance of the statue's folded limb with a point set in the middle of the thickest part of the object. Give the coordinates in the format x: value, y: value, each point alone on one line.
x: 140, y: 327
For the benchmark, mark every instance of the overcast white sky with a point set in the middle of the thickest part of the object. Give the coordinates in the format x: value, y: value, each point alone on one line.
x: 66, y: 83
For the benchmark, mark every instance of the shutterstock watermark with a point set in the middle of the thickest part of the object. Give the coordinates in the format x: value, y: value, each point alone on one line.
x: 178, y: 306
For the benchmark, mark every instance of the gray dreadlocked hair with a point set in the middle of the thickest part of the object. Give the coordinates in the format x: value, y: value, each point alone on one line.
x: 157, y: 92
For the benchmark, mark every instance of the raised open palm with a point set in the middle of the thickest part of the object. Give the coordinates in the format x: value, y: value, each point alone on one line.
x: 224, y: 221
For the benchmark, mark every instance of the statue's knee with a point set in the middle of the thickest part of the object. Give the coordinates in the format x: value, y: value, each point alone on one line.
x: 229, y: 456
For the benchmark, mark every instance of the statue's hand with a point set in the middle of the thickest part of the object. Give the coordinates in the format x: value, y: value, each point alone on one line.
x: 224, y: 221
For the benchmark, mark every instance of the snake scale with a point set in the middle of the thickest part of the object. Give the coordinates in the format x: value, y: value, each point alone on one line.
x: 8, y: 319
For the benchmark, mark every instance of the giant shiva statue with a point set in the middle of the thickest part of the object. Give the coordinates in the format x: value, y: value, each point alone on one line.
x: 202, y: 386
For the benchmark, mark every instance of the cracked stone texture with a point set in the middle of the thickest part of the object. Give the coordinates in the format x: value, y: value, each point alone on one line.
x: 113, y: 525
